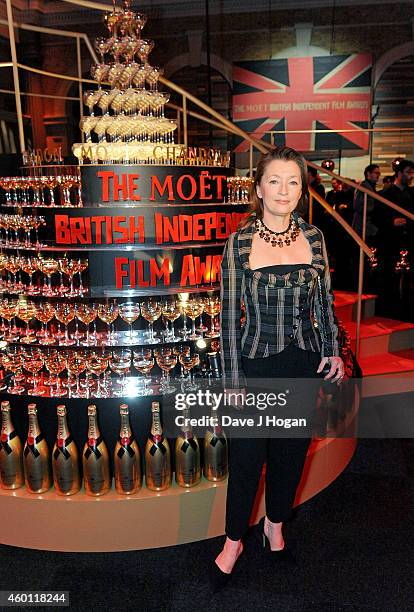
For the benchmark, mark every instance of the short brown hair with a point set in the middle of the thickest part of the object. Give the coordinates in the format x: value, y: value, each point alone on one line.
x: 255, y: 210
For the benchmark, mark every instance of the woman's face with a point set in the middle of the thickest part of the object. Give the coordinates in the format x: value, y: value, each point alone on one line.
x: 280, y: 188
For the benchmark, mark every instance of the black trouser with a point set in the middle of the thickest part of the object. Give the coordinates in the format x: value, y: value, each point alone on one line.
x: 284, y: 457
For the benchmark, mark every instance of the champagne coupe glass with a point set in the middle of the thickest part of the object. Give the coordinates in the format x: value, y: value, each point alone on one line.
x: 38, y: 222
x: 97, y: 363
x: 29, y: 265
x: 181, y: 349
x: 212, y: 308
x: 94, y: 335
x: 62, y: 287
x: 182, y: 300
x: 3, y: 326
x: 108, y: 313
x: 70, y: 267
x: 83, y: 265
x: 76, y: 364
x: 13, y: 361
x: 3, y: 262
x: 143, y: 363
x: 9, y: 311
x: 151, y: 311
x: 193, y: 308
x: 33, y: 363
x: 4, y: 225
x: 129, y: 312
x: 101, y: 46
x: 166, y: 360
x: 65, y: 313
x: 51, y: 182
x: 55, y: 363
x: 45, y: 313
x: 120, y: 363
x: 20, y: 287
x: 13, y: 266
x: 26, y: 311
x: 188, y: 361
x: 65, y: 183
x: 48, y: 266
x: 171, y: 311
x: 201, y: 327
x: 86, y: 314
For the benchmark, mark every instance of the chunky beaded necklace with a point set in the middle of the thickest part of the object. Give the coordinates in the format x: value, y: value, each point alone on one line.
x: 278, y: 238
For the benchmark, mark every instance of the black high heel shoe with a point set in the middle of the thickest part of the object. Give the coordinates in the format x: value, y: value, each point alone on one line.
x: 284, y: 554
x: 218, y: 578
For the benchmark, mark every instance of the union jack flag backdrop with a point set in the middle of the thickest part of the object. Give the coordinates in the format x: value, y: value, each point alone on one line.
x: 305, y: 93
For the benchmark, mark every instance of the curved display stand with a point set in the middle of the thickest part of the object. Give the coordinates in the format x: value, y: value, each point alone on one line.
x: 127, y: 231
x: 147, y: 520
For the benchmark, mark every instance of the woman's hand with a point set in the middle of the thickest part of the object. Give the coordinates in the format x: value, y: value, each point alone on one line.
x: 336, y: 366
x: 235, y: 398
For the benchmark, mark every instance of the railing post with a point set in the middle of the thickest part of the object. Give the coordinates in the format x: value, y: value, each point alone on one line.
x: 310, y: 209
x: 360, y: 281
x: 15, y: 76
x: 185, y: 121
x: 79, y: 61
x: 178, y: 126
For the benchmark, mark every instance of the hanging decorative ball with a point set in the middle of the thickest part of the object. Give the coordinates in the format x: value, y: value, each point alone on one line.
x: 395, y: 163
x: 328, y: 164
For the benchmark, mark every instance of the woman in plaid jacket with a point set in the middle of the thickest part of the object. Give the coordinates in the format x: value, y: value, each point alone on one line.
x: 277, y: 265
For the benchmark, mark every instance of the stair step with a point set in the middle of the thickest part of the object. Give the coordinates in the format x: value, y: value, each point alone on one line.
x: 388, y: 373
x: 346, y: 305
x: 381, y: 335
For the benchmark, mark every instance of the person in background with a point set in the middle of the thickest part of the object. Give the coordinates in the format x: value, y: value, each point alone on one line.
x: 388, y: 181
x: 345, y: 207
x: 395, y: 233
x: 318, y: 212
x: 333, y: 196
x: 315, y: 181
x: 371, y: 173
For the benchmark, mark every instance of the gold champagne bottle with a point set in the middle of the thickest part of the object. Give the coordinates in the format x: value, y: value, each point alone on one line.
x: 187, y: 455
x: 216, y: 464
x: 157, y: 455
x: 95, y: 459
x: 127, y: 458
x: 65, y: 458
x: 11, y: 456
x: 36, y: 456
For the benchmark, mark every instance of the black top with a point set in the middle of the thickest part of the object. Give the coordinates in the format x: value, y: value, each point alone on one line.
x: 282, y: 268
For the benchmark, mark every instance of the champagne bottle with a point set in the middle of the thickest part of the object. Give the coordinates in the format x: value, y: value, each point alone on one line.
x: 65, y: 458
x: 127, y: 459
x: 187, y: 455
x: 36, y: 456
x: 11, y: 456
x: 215, y: 451
x: 95, y: 459
x: 157, y: 455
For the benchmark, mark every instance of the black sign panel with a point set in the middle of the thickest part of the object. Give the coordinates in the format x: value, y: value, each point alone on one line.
x: 124, y: 185
x: 143, y: 226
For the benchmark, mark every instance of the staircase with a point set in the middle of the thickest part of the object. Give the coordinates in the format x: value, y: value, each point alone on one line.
x: 387, y: 346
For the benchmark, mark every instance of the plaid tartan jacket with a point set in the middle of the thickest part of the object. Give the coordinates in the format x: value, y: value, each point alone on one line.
x: 280, y: 309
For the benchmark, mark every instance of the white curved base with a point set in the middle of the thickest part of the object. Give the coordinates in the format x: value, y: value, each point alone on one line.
x: 147, y: 520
